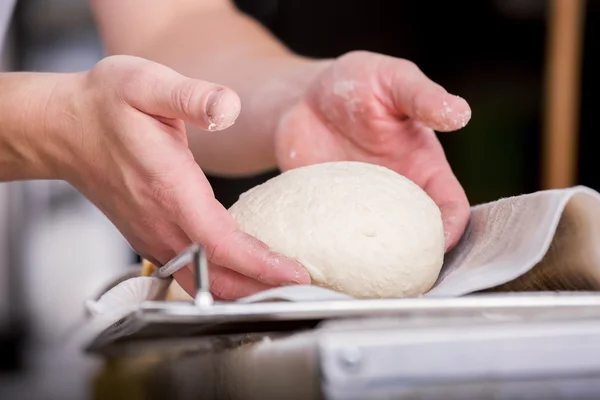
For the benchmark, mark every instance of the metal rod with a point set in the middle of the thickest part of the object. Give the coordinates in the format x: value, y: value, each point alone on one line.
x: 194, y: 254
x: 178, y: 262
x: 203, y: 297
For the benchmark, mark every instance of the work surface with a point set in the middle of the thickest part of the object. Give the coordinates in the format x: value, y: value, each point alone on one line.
x: 528, y: 352
x: 525, y: 351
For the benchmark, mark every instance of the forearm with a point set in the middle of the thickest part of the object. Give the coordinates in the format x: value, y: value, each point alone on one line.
x: 211, y: 40
x: 27, y: 115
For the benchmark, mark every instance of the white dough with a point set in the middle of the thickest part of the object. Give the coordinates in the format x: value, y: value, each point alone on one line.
x: 360, y: 229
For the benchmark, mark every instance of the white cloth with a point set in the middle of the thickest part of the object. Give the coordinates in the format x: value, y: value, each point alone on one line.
x: 547, y: 240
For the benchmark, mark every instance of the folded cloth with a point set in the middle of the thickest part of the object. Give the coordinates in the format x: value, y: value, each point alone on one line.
x: 544, y: 241
x: 547, y: 240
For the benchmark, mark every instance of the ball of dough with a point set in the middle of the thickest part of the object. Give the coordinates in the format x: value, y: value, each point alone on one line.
x: 358, y: 228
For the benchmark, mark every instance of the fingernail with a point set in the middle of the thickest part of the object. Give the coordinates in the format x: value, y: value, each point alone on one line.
x: 446, y: 240
x: 294, y: 273
x: 448, y: 219
x: 465, y: 117
x: 222, y: 108
x: 454, y: 113
x: 301, y: 275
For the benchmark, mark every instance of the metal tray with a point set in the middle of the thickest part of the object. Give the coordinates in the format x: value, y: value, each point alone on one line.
x: 160, y: 320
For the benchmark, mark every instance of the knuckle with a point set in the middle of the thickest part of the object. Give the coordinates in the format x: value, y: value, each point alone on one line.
x: 126, y: 76
x: 163, y: 194
x: 356, y: 55
x: 186, y: 97
x: 217, y: 249
x: 211, y: 250
x: 408, y: 69
x: 408, y: 65
x: 159, y: 198
x: 220, y: 251
x: 131, y: 82
x: 147, y: 222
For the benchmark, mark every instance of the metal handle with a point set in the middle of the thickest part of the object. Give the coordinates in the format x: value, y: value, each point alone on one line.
x: 196, y: 255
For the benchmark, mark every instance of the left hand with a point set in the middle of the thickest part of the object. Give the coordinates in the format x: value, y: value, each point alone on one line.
x: 383, y: 110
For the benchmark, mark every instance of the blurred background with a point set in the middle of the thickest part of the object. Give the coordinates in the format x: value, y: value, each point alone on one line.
x: 491, y: 52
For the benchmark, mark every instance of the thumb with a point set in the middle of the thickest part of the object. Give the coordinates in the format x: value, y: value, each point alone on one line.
x: 414, y: 95
x: 162, y: 92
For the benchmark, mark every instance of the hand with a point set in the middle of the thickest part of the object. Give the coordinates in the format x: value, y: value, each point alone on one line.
x: 383, y: 110
x: 125, y: 148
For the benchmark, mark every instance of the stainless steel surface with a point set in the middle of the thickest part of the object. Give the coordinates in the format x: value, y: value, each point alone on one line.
x: 174, y: 320
x: 467, y: 360
x: 181, y: 312
x: 420, y: 357
x: 500, y: 345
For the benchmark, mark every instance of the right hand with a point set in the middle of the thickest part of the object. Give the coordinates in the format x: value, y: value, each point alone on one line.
x: 124, y: 146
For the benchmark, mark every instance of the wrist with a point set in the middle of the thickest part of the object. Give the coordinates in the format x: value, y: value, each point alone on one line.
x: 274, y: 97
x: 30, y: 105
x: 286, y: 85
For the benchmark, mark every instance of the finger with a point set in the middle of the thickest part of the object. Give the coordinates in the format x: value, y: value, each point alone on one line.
x: 160, y: 91
x: 455, y: 215
x: 251, y: 257
x: 207, y: 222
x: 414, y: 95
x: 185, y: 279
x: 445, y: 190
x: 225, y: 284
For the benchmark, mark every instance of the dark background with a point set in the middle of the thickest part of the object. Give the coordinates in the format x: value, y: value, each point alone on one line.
x: 492, y: 53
